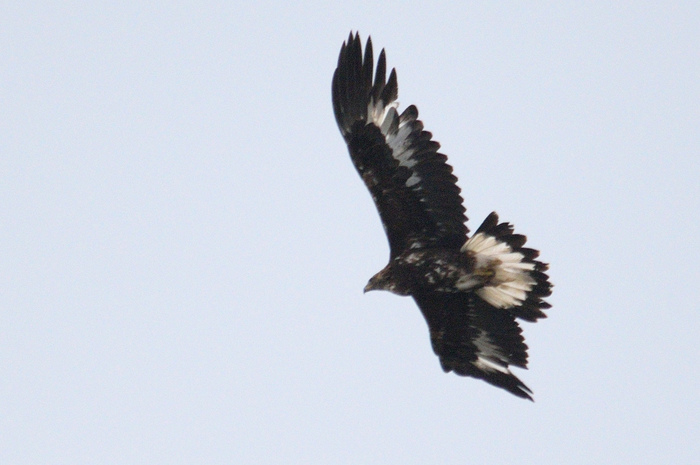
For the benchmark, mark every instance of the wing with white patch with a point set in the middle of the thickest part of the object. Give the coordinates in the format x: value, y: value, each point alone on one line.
x: 518, y: 282
x: 474, y: 339
x: 411, y: 183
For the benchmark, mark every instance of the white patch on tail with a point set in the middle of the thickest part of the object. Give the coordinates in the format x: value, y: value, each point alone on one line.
x: 511, y: 281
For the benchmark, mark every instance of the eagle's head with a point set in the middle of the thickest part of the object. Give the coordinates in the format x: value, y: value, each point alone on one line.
x: 386, y: 280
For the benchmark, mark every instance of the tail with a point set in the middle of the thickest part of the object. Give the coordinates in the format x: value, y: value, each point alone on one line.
x: 517, y: 282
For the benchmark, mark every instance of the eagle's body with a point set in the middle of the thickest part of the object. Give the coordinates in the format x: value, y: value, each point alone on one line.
x: 469, y: 289
x: 421, y: 270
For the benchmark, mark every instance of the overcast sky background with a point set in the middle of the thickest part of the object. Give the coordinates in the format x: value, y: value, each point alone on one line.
x: 185, y: 239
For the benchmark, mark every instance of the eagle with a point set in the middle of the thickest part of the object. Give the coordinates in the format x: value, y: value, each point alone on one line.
x: 471, y: 290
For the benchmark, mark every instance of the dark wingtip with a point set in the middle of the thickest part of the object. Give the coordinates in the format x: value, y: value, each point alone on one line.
x: 506, y: 381
x: 391, y: 90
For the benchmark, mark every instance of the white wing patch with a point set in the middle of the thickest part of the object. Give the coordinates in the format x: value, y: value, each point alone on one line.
x: 510, y: 280
x: 377, y: 112
x: 489, y: 355
x: 383, y: 116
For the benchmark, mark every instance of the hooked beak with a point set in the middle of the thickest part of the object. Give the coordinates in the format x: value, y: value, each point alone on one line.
x: 368, y: 287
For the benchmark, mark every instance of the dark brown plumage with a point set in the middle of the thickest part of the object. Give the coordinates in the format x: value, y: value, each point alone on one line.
x: 469, y: 289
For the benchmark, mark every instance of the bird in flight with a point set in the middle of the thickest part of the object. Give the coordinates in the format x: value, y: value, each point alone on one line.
x: 471, y: 290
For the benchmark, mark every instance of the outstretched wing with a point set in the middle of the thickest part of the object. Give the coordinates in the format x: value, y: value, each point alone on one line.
x: 475, y: 339
x: 411, y: 183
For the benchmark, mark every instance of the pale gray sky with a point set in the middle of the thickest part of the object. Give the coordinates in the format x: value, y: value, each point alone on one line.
x: 185, y: 239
